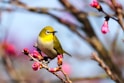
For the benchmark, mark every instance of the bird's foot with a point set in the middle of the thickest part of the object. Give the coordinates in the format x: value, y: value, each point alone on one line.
x: 39, y: 51
x: 46, y: 60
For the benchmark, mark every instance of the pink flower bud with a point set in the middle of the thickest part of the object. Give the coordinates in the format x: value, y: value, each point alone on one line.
x: 26, y: 51
x: 9, y: 48
x: 96, y: 5
x: 37, y: 55
x: 54, y: 69
x: 35, y: 66
x: 105, y: 28
x: 59, y: 57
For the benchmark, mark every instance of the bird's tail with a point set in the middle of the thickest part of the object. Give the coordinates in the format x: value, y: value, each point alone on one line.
x: 67, y: 53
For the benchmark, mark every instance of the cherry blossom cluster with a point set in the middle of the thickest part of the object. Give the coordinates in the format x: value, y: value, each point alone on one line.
x: 104, y: 28
x: 39, y: 61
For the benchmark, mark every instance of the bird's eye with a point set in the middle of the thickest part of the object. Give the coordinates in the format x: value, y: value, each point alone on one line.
x: 47, y: 32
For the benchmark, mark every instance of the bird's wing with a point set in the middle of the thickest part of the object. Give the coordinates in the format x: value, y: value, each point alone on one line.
x: 57, y: 45
x: 67, y: 53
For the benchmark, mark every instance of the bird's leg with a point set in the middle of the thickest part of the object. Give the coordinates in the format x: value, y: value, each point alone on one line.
x: 46, y: 60
x: 38, y: 50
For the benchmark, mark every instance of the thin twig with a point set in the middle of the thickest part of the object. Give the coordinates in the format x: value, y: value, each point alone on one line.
x: 9, y: 67
x: 23, y: 5
x: 80, y: 16
x: 73, y: 27
x: 47, y: 68
x: 106, y: 68
x: 67, y: 78
x: 110, y: 16
x: 119, y: 13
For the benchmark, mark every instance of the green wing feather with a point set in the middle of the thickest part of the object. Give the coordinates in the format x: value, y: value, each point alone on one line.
x: 58, y: 47
x: 67, y: 53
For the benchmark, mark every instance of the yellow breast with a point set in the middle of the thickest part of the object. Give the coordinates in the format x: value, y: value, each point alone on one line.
x: 46, y: 47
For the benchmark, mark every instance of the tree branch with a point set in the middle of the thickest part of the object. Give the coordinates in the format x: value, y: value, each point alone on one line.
x: 119, y: 13
x: 112, y: 75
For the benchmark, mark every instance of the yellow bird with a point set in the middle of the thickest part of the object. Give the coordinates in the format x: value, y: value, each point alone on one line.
x: 49, y: 44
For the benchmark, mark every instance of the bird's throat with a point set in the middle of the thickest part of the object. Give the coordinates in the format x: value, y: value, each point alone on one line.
x: 47, y: 39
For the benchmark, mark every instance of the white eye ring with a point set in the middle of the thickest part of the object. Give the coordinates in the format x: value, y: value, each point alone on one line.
x: 47, y: 32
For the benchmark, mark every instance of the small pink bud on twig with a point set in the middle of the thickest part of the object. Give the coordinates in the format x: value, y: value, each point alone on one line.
x: 105, y: 28
x: 59, y: 57
x: 54, y: 69
x: 36, y: 66
x: 26, y: 51
x: 96, y: 5
x: 37, y: 55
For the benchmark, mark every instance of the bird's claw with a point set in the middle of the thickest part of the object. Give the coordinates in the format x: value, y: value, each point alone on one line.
x: 45, y: 62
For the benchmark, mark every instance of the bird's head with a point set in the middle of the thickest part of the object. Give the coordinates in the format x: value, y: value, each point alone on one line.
x: 47, y: 31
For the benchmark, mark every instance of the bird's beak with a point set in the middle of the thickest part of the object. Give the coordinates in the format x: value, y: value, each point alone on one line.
x: 54, y: 31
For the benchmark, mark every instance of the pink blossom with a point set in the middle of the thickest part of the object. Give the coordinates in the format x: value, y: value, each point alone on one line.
x: 52, y: 69
x: 59, y: 57
x: 96, y: 5
x: 26, y: 51
x: 9, y: 48
x: 37, y: 55
x: 66, y: 67
x: 105, y: 28
x: 35, y: 66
